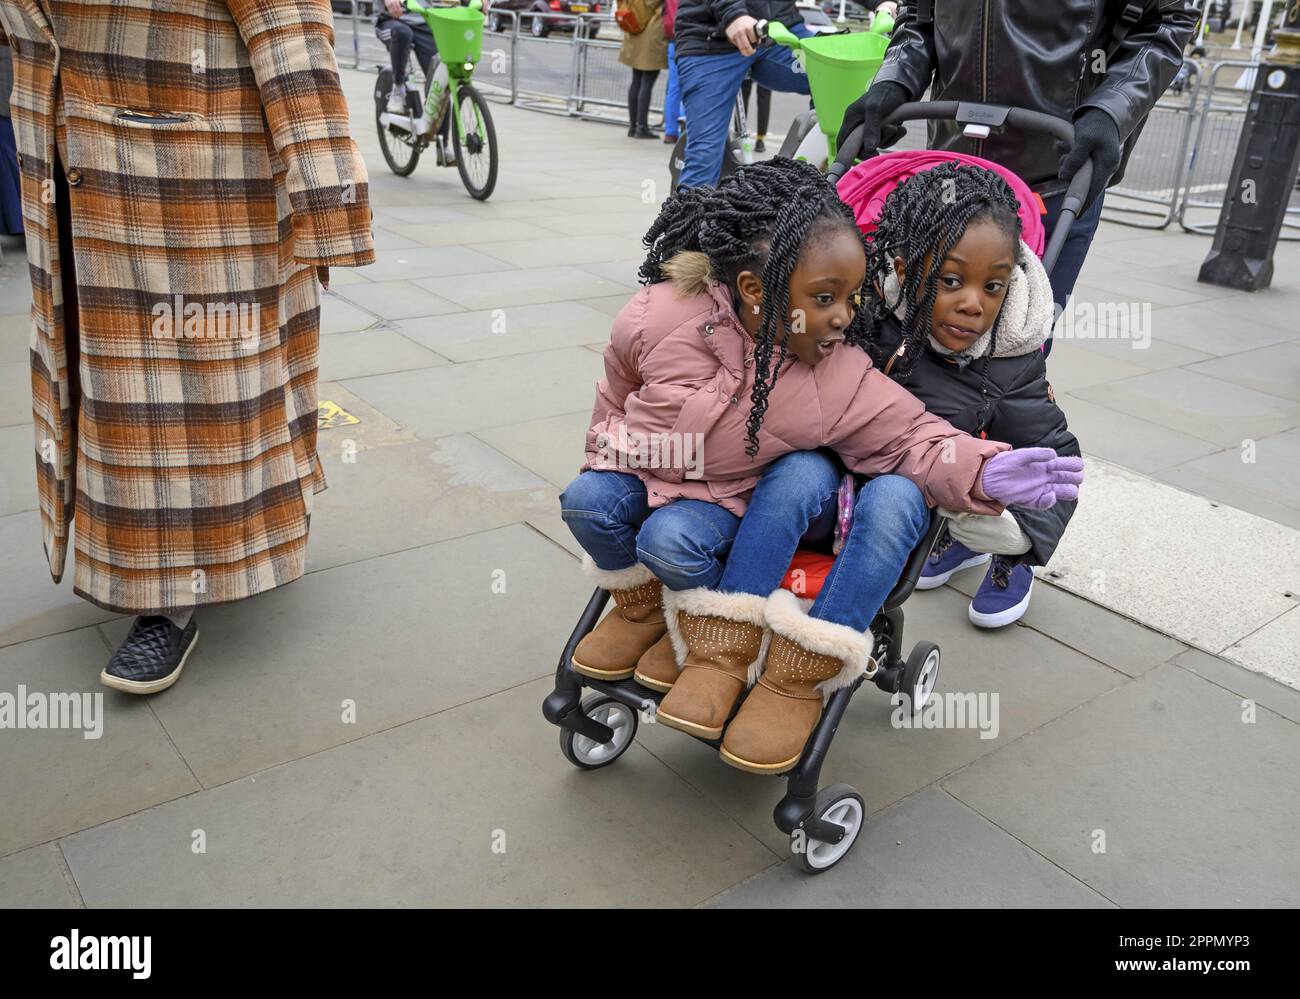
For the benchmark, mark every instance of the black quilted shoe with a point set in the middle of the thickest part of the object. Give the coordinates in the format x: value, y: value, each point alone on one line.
x: 152, y: 657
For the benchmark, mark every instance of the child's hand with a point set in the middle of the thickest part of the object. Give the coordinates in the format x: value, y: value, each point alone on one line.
x: 1036, y: 477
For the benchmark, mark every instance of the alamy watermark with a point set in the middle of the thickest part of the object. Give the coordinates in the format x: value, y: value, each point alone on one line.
x: 68, y: 709
x: 178, y: 319
x: 1105, y: 321
x: 951, y: 709
x: 632, y: 449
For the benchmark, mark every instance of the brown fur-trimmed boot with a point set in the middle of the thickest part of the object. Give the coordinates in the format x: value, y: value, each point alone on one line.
x: 611, y: 650
x: 807, y: 660
x: 719, y: 639
x: 658, y: 668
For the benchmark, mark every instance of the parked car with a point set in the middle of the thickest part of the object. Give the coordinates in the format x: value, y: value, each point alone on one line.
x: 853, y: 10
x: 538, y: 17
x: 365, y: 8
x: 816, y: 20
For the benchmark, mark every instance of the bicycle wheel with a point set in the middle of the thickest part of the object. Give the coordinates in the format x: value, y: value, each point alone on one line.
x: 401, y: 149
x: 476, y: 155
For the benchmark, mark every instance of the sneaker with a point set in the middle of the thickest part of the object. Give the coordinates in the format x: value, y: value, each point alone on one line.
x: 397, y: 100
x: 1003, y: 597
x: 759, y: 147
x: 152, y: 657
x: 946, y: 558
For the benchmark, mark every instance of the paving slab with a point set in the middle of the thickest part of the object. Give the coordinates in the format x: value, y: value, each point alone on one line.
x: 501, y: 289
x: 1221, y: 573
x: 382, y: 500
x: 434, y: 261
x: 34, y: 879
x: 1247, y: 683
x: 1166, y: 768
x: 1151, y: 353
x: 17, y: 469
x: 517, y: 329
x: 372, y: 352
x: 425, y: 805
x: 464, y: 232
x: 482, y: 394
x: 337, y: 315
x: 552, y: 525
x: 1275, y: 306
x: 618, y: 223
x: 1126, y: 440
x: 32, y: 605
x: 1274, y: 370
x: 397, y: 299
x: 400, y: 636
x: 1273, y: 650
x: 56, y: 781
x: 15, y: 336
x: 1108, y: 637
x: 1219, y: 327
x: 1072, y: 367
x: 928, y: 851
x: 1268, y: 484
x: 554, y: 448
x: 1205, y: 407
x: 585, y: 249
x: 16, y: 394
x: 1035, y: 678
x: 1183, y: 278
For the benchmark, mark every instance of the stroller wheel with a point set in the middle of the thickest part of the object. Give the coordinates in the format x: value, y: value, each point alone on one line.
x: 588, y: 754
x: 839, y: 805
x: 919, y: 674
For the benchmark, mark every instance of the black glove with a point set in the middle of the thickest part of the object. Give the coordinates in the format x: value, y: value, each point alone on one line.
x: 1095, y: 135
x: 869, y: 110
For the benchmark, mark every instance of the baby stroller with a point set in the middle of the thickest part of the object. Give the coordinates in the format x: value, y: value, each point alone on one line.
x: 822, y: 824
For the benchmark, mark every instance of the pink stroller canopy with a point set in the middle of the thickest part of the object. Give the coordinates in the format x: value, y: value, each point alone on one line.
x: 865, y: 187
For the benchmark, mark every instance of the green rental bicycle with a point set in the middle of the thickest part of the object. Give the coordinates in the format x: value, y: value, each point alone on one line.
x: 458, y: 35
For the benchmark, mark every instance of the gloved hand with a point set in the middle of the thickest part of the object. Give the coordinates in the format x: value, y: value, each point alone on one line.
x: 1095, y: 135
x: 1035, y: 477
x: 869, y: 110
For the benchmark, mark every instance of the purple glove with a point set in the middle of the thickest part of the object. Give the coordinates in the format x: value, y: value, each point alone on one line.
x: 1036, y: 477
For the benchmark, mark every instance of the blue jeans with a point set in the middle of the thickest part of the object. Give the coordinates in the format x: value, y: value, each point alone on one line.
x: 710, y: 84
x: 794, y: 504
x: 1073, y: 253
x: 685, y: 543
x: 672, y: 94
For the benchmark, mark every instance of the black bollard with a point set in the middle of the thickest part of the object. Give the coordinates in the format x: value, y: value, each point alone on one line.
x: 1268, y: 158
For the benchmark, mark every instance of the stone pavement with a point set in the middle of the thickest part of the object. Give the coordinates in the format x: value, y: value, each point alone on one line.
x: 443, y: 586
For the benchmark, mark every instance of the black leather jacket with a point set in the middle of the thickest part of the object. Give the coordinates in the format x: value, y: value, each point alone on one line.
x: 1046, y: 55
x: 700, y: 28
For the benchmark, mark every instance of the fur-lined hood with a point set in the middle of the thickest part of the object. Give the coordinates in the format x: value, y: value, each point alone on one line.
x: 1028, y: 311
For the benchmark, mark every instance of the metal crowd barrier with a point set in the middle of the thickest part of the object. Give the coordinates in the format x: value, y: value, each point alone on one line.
x: 1214, y: 150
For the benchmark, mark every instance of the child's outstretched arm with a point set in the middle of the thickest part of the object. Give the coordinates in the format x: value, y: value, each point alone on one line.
x: 887, y: 429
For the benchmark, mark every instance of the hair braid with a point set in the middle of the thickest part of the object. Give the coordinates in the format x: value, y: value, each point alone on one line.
x: 758, y: 219
x: 923, y: 218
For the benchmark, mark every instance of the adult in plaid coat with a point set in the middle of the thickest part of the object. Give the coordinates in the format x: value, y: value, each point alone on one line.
x: 186, y: 169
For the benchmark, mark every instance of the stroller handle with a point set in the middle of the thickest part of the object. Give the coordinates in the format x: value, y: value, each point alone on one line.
x: 966, y: 112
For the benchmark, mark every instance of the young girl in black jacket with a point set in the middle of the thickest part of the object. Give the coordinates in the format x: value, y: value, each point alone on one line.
x: 965, y: 336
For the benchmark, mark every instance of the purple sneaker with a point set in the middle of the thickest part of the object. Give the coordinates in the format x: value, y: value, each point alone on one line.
x: 947, y: 557
x: 1003, y: 597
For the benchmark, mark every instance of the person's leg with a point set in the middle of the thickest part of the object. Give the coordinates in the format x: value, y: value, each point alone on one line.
x: 633, y: 95
x: 889, y: 519
x: 425, y: 47
x: 718, y: 634
x: 672, y: 97
x: 774, y: 68
x: 746, y: 88
x: 399, y: 49
x: 685, y: 544
x: 648, y: 79
x: 812, y: 654
x: 604, y: 511
x: 793, y: 501
x: 764, y: 110
x: 709, y: 84
x: 1075, y: 251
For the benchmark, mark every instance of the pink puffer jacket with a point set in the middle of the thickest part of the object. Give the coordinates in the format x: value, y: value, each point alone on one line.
x: 678, y: 376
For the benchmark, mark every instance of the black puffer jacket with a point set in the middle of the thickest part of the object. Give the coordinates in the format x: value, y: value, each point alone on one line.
x: 700, y: 28
x: 1045, y: 55
x: 1019, y: 410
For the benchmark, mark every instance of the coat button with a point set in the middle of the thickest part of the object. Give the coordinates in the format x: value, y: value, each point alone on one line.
x: 74, y: 177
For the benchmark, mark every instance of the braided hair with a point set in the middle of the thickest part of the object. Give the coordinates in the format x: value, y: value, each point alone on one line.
x: 758, y: 219
x: 925, y: 217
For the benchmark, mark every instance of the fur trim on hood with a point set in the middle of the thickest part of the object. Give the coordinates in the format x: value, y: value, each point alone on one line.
x: 1028, y: 311
x: 690, y: 271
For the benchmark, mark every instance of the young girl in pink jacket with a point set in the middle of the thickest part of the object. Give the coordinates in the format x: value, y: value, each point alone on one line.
x: 728, y: 379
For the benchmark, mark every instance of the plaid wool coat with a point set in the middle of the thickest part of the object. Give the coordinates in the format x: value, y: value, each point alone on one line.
x: 207, y: 169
